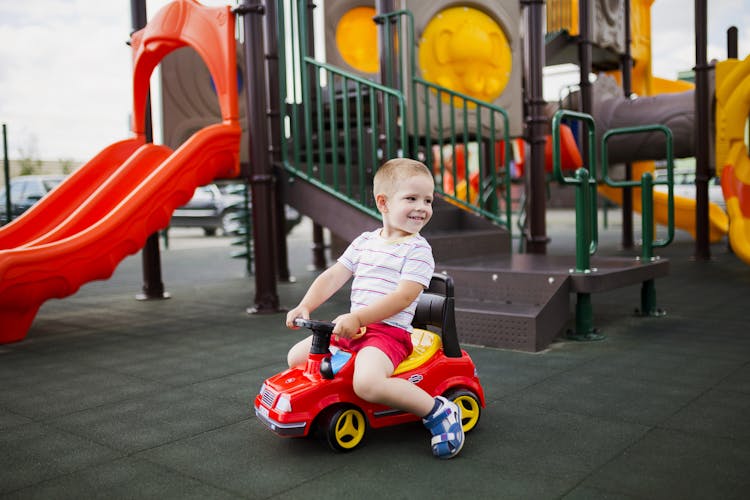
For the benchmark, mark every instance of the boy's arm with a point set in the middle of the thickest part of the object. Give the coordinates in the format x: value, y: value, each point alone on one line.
x: 349, y: 324
x: 321, y: 290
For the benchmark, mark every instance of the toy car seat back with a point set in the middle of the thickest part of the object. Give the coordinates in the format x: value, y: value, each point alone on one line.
x: 436, y: 307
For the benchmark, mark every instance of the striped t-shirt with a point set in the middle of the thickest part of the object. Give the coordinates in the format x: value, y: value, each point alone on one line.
x: 379, y: 265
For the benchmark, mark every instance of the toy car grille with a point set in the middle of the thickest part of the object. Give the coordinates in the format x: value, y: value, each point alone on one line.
x: 268, y: 397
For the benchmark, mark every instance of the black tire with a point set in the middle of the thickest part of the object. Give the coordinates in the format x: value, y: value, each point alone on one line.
x: 471, y: 408
x: 343, y: 427
x: 209, y: 231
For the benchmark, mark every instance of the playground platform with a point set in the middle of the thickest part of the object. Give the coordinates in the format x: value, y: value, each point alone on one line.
x: 110, y: 397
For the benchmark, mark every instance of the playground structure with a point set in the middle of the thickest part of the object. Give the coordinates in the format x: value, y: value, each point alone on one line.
x: 443, y: 87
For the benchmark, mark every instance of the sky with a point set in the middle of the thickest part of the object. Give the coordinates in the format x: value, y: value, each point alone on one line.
x: 65, y: 67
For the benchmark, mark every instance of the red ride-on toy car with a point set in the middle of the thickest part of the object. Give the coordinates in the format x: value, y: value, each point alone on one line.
x: 318, y: 397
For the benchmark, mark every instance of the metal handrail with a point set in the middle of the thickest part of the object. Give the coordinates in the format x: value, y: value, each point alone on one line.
x: 312, y: 146
x: 587, y: 233
x: 646, y: 184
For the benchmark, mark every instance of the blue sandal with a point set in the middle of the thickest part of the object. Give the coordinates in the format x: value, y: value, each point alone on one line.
x: 445, y: 426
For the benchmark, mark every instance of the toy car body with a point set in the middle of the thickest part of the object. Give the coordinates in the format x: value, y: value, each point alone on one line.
x: 319, y: 396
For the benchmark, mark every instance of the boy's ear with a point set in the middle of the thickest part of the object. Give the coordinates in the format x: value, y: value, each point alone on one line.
x: 381, y: 201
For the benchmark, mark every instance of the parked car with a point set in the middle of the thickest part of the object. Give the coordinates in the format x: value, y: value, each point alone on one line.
x: 211, y: 210
x: 25, y: 190
x: 215, y: 208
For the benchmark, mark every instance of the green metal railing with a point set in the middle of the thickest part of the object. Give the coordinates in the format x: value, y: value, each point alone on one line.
x: 455, y: 119
x: 585, y: 181
x: 587, y: 235
x: 333, y: 134
x: 337, y: 127
x: 646, y: 183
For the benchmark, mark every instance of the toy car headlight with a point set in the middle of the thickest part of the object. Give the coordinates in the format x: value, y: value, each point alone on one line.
x: 284, y: 404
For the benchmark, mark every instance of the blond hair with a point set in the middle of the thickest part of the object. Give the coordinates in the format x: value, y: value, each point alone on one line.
x: 387, y: 177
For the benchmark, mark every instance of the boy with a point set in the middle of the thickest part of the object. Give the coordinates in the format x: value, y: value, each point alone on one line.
x: 391, y: 267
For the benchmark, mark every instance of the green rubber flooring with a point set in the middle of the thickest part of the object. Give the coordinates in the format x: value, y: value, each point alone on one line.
x: 110, y: 397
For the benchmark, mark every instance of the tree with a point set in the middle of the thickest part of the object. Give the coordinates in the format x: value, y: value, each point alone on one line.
x: 28, y: 157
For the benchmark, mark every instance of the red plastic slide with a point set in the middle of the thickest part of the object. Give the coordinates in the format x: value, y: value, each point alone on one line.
x: 53, y: 208
x: 107, y: 209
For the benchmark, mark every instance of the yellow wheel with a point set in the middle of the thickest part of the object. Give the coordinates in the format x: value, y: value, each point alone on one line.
x: 344, y: 428
x: 471, y: 409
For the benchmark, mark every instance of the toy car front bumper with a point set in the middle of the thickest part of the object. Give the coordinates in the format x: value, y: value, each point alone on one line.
x: 288, y: 429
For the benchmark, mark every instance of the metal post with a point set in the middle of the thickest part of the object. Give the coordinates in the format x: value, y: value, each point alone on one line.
x: 389, y: 73
x: 388, y: 60
x: 732, y: 48
x: 583, y: 222
x: 647, y: 212
x: 627, y: 88
x: 585, y: 330
x: 319, y: 248
x: 702, y: 169
x: 585, y: 218
x: 6, y: 170
x: 261, y: 175
x: 536, y: 235
x: 274, y: 120
x: 153, y: 287
x: 585, y: 65
x: 648, y: 287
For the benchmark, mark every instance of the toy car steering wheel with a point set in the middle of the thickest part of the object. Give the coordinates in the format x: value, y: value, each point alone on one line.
x: 315, y: 325
x: 324, y: 327
x: 321, y: 338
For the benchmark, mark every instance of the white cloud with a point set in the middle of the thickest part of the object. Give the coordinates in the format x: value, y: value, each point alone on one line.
x: 65, y: 76
x: 673, y: 33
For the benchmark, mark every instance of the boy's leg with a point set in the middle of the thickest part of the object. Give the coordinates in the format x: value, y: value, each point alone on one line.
x: 298, y: 353
x: 372, y: 382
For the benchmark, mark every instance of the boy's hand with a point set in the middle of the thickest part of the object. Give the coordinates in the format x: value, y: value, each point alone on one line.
x: 347, y: 326
x: 297, y: 312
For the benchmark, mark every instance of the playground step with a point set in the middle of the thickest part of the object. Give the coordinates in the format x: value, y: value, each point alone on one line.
x: 508, y: 309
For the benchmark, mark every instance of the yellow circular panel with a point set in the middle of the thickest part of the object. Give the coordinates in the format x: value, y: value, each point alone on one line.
x: 357, y: 39
x: 464, y: 50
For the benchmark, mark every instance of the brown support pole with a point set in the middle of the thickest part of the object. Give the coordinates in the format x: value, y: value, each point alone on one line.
x: 153, y: 287
x: 627, y: 88
x: 585, y: 65
x: 702, y: 168
x: 389, y: 72
x: 261, y: 174
x: 274, y: 120
x: 732, y: 48
x: 319, y: 248
x: 536, y: 128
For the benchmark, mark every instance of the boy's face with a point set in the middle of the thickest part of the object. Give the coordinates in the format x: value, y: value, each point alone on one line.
x: 408, y: 207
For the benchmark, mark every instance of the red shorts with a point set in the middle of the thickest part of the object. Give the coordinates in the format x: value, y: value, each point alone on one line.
x: 393, y: 341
